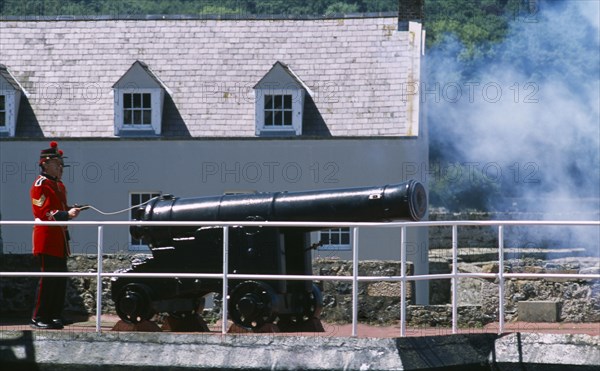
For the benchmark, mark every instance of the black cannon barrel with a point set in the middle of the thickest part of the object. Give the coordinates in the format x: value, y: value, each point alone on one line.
x: 403, y: 201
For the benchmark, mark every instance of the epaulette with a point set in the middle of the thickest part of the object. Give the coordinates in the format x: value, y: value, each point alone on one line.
x: 39, y: 181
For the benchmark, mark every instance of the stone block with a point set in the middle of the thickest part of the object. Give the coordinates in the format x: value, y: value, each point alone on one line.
x: 391, y: 289
x: 539, y: 311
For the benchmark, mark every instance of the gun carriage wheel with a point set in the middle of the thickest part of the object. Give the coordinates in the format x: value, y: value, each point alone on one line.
x: 251, y: 304
x: 134, y: 303
x: 312, y: 305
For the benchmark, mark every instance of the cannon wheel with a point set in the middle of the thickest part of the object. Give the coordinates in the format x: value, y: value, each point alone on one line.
x: 133, y: 304
x: 251, y: 304
x: 312, y: 307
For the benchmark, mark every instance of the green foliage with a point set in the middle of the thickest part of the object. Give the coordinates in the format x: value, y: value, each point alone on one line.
x: 341, y: 8
x: 191, y: 7
x: 477, y: 24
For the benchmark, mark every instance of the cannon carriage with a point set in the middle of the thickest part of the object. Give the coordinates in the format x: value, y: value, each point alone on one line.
x: 252, y: 250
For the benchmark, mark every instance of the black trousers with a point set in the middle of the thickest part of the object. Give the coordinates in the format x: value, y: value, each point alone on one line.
x: 50, y: 295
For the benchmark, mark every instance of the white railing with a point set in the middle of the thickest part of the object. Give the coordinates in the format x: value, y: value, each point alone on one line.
x: 355, y: 278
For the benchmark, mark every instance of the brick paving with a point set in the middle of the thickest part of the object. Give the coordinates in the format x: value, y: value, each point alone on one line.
x: 344, y: 330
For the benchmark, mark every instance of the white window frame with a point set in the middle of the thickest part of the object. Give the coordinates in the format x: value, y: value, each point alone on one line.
x: 326, y: 245
x: 138, y: 245
x: 286, y: 109
x: 156, y: 105
x: 145, y: 112
x: 297, y: 108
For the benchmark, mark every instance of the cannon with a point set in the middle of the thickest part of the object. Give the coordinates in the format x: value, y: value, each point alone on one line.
x: 259, y: 249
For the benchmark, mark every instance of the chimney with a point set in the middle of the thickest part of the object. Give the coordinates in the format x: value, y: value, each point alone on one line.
x: 410, y: 11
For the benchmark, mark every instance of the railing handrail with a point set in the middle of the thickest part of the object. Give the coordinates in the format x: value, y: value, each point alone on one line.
x: 441, y: 223
x: 354, y: 278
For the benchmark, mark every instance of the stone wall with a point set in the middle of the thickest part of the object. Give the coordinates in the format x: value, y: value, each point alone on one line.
x: 378, y: 301
x: 17, y: 293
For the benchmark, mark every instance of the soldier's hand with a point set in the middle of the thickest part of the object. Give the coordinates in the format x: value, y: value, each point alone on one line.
x: 73, y: 212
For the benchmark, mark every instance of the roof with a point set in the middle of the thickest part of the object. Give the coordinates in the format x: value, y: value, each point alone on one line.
x: 9, y: 79
x: 144, y: 67
x: 287, y: 69
x: 356, y: 68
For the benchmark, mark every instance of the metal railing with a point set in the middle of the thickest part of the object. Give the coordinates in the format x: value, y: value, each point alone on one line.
x: 501, y: 276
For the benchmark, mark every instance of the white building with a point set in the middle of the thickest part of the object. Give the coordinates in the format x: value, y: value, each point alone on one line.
x: 202, y: 106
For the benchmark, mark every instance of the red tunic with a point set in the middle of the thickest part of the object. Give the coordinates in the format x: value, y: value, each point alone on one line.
x: 49, y: 202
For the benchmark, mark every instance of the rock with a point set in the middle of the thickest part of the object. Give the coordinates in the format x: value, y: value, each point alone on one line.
x: 590, y: 270
x: 490, y: 268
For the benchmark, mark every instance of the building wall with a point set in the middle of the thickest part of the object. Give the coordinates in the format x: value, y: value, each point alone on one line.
x: 104, y: 172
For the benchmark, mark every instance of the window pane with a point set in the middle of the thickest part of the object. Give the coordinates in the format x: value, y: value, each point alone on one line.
x: 278, y: 101
x: 126, y: 100
x: 287, y: 101
x: 137, y: 100
x: 278, y: 118
x: 146, y: 101
x: 127, y: 117
x: 268, y: 118
x: 134, y: 200
x: 335, y: 239
x: 287, y: 118
x: 268, y: 101
x: 137, y: 199
x: 137, y: 117
x: 147, y: 117
x: 2, y: 110
x: 345, y: 238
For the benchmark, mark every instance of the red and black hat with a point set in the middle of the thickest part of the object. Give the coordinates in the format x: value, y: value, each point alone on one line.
x: 50, y: 153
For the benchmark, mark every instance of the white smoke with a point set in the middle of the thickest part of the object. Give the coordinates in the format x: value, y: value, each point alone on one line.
x: 528, y: 118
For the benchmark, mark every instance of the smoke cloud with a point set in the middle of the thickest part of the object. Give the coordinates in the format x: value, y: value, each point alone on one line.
x: 528, y: 118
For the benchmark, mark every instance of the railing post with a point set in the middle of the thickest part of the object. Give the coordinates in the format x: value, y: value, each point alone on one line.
x: 454, y: 279
x: 500, y: 279
x: 99, y: 279
x: 225, y: 283
x: 403, y: 282
x: 354, y: 281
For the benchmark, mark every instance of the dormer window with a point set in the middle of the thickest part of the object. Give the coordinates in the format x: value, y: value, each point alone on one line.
x: 139, y: 98
x: 280, y: 102
x: 10, y: 98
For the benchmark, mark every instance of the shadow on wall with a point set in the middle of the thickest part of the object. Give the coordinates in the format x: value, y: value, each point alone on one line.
x: 27, y: 122
x: 312, y: 121
x: 173, y: 123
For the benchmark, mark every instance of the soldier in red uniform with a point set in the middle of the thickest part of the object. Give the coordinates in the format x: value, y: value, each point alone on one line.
x: 50, y: 244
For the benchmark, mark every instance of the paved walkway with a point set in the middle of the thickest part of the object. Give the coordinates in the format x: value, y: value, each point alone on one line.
x: 345, y: 330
